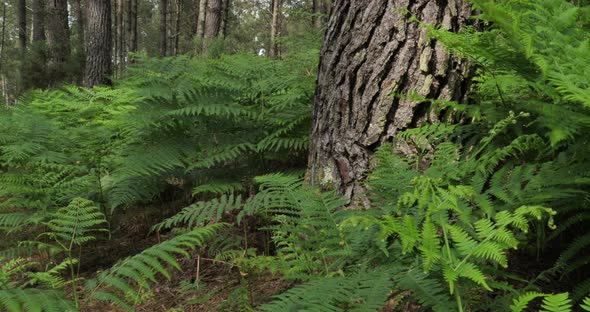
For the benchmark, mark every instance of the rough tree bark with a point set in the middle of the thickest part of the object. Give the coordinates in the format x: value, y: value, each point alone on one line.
x: 22, y: 25
x: 370, y: 52
x: 275, y: 28
x: 212, y: 21
x: 58, y: 37
x: 38, y: 7
x: 98, y: 43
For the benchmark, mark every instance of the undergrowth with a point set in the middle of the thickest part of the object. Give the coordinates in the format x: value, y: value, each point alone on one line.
x: 499, y: 181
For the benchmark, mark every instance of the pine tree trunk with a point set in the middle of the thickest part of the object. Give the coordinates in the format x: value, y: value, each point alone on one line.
x: 3, y: 36
x: 163, y: 27
x: 134, y: 38
x: 120, y: 36
x: 58, y: 38
x: 22, y: 25
x: 202, y: 19
x: 275, y: 28
x: 98, y: 43
x: 131, y: 24
x: 212, y: 21
x: 79, y: 16
x: 177, y: 27
x: 225, y: 17
x: 38, y: 7
x: 370, y: 52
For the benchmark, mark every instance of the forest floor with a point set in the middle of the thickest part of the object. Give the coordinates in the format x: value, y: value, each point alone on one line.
x: 217, y: 289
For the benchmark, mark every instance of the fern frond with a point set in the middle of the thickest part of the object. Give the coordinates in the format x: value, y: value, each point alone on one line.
x: 119, y: 282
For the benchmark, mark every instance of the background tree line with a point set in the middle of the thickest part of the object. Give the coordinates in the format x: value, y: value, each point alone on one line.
x: 45, y: 43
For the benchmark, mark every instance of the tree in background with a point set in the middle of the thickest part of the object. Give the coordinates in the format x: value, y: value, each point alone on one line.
x: 131, y: 24
x: 275, y: 29
x: 163, y: 27
x: 98, y: 43
x: 22, y: 25
x: 58, y: 39
x: 38, y: 7
x: 372, y: 50
x: 213, y: 18
x: 202, y: 13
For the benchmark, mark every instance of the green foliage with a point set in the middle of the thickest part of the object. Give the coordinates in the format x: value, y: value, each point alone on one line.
x: 76, y: 224
x: 118, y: 284
x: 15, y: 296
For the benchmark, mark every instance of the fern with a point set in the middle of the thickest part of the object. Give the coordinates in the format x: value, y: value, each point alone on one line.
x: 120, y: 282
x: 76, y: 224
x: 202, y: 213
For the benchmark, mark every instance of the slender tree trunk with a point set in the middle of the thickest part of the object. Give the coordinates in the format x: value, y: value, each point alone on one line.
x: 371, y: 51
x: 163, y: 27
x: 3, y: 35
x: 22, y: 25
x: 38, y: 7
x: 195, y: 18
x: 120, y: 36
x: 225, y: 17
x: 98, y: 43
x: 176, y: 37
x: 212, y: 21
x: 58, y: 38
x: 133, y: 38
x: 202, y: 19
x: 129, y: 26
x: 78, y: 13
x: 317, y: 14
x: 275, y: 28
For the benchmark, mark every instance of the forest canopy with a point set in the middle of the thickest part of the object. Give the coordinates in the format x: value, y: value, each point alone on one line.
x: 294, y: 155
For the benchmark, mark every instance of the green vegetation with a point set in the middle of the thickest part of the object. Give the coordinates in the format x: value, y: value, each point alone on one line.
x: 485, y: 213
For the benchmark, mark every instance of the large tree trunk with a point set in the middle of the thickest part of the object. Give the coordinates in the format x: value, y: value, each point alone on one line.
x: 372, y: 51
x: 98, y: 43
x: 163, y: 27
x: 22, y: 25
x: 275, y: 28
x: 38, y: 7
x: 58, y: 37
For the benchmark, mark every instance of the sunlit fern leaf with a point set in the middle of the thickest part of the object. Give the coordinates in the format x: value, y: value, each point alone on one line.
x: 557, y: 303
x: 520, y: 304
